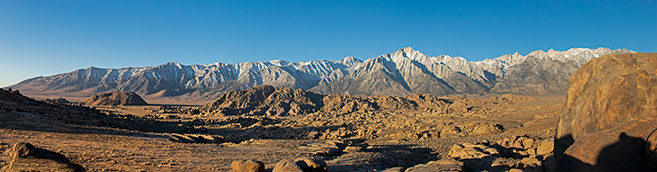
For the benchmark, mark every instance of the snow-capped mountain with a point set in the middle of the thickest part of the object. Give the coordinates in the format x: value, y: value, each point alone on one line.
x: 400, y: 73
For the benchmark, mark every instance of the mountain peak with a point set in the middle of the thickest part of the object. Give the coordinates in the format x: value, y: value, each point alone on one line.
x: 173, y: 63
x: 350, y: 61
x: 410, y: 53
x: 408, y: 49
x: 278, y: 62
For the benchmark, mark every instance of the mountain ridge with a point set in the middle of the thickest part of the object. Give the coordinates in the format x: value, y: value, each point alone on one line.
x: 400, y: 73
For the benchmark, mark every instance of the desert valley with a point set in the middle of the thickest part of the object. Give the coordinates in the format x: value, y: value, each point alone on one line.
x: 575, y: 110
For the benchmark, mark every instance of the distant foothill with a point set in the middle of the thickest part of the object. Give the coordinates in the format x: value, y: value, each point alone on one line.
x: 115, y: 99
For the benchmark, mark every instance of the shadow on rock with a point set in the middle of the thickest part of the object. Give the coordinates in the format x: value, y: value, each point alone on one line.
x: 382, y: 157
x: 626, y: 154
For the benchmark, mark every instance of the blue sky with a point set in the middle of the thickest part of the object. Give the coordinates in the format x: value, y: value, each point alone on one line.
x: 42, y: 38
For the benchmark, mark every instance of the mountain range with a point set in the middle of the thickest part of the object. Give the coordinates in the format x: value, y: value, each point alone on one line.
x: 400, y: 73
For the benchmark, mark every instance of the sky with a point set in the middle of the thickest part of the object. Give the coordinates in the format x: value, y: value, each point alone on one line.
x: 43, y: 38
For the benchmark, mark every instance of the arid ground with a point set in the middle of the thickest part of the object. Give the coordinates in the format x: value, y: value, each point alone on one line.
x: 357, y: 141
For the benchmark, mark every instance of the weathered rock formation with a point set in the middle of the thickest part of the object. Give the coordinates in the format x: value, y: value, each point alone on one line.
x: 630, y: 146
x: 247, y: 165
x: 333, y: 147
x: 25, y: 157
x: 267, y: 100
x: 196, y: 138
x: 311, y: 165
x: 264, y: 100
x: 471, y: 129
x: 604, y: 93
x: 287, y: 166
x: 115, y: 99
x: 301, y: 165
x: 521, y: 152
x: 58, y: 101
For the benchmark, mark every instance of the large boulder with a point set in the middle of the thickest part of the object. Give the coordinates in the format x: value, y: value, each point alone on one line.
x: 605, y: 92
x: 311, y: 165
x: 628, y: 147
x: 247, y: 165
x: 287, y: 166
x: 115, y: 99
x: 301, y: 165
x: 24, y: 156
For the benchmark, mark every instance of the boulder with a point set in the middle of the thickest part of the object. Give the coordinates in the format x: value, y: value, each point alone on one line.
x: 472, y: 151
x: 470, y: 129
x: 605, y: 92
x: 622, y: 148
x: 20, y: 150
x: 287, y: 166
x: 523, y: 145
x: 328, y: 147
x: 352, y: 149
x: 530, y: 163
x: 247, y: 165
x: 439, y: 165
x: 519, y: 152
x: 24, y: 156
x: 546, y: 147
x: 311, y: 165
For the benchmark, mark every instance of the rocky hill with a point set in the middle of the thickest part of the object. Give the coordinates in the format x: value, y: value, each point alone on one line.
x: 20, y: 112
x: 115, y: 99
x: 401, y: 73
x: 266, y: 100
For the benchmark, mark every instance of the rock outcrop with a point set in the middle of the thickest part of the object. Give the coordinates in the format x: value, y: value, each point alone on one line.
x: 264, y: 100
x: 333, y: 147
x: 196, y: 138
x: 630, y: 146
x: 58, y: 101
x: 115, y: 99
x: 471, y: 129
x: 602, y: 126
x: 25, y: 157
x: 267, y: 100
x: 606, y: 92
x: 524, y: 153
